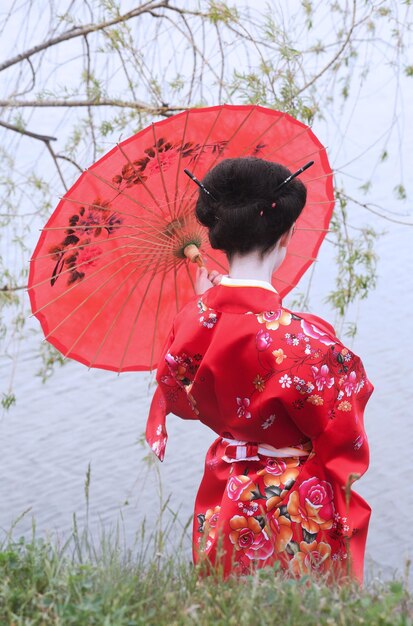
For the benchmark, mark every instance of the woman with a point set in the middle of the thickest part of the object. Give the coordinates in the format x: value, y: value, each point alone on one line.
x: 284, y: 395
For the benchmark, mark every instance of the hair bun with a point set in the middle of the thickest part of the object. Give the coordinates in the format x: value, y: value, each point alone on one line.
x: 248, y: 211
x: 206, y: 212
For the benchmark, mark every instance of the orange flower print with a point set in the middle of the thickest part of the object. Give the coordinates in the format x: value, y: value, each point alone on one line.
x: 248, y: 536
x: 279, y: 356
x: 344, y: 406
x: 312, y: 557
x: 240, y: 488
x: 259, y: 383
x: 273, y: 319
x: 211, y: 520
x: 315, y: 399
x: 280, y: 472
x: 280, y: 529
x: 311, y: 505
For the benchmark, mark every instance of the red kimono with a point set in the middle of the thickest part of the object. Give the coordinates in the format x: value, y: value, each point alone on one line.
x: 286, y: 400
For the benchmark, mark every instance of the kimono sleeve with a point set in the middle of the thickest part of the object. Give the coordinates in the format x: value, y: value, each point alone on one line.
x: 326, y: 400
x: 156, y: 434
x: 173, y: 393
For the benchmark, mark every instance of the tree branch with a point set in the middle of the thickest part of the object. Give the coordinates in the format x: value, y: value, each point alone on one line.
x: 79, y: 31
x: 7, y: 289
x: 338, y: 53
x: 138, y: 106
x: 46, y: 140
x: 29, y: 133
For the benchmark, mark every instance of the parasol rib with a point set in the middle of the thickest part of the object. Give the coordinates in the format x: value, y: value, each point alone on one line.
x: 235, y: 133
x: 102, y: 308
x: 88, y: 297
x: 69, y: 289
x: 188, y: 183
x: 135, y: 321
x: 112, y: 325
x: 158, y: 219
x: 121, y: 192
x: 143, y: 183
x: 161, y: 170
x: 155, y: 326
x: 178, y: 168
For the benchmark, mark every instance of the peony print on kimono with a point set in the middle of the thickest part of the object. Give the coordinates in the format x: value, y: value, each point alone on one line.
x: 274, y: 319
x: 249, y: 536
x: 311, y: 505
x: 315, y: 333
x: 240, y: 488
x: 311, y: 558
x: 322, y: 377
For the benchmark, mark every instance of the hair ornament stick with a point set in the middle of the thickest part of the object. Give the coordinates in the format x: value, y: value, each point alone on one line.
x: 297, y: 173
x: 198, y: 182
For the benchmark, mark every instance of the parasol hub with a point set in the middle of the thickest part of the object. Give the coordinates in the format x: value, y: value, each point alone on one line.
x: 192, y: 252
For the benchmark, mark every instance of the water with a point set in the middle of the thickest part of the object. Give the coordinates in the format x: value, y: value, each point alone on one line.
x: 93, y: 417
x: 81, y: 418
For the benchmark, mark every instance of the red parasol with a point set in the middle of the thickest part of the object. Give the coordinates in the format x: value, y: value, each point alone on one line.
x: 109, y: 272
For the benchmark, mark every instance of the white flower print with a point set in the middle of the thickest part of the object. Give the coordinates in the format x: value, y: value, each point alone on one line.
x: 243, y: 404
x: 360, y: 385
x: 358, y: 442
x: 210, y: 321
x: 248, y: 508
x: 285, y: 381
x: 268, y: 422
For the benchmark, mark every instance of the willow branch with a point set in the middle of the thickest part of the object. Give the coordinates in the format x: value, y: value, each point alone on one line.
x: 66, y: 158
x: 337, y: 55
x: 8, y: 289
x: 44, y: 138
x: 29, y: 133
x: 369, y: 207
x: 81, y: 31
x: 138, y: 106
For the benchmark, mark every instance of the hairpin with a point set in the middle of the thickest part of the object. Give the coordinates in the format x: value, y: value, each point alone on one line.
x: 297, y: 173
x: 287, y: 180
x: 198, y: 182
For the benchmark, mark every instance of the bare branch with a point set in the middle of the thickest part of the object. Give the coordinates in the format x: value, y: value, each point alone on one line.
x: 138, y: 106
x: 338, y: 53
x: 80, y: 31
x: 29, y: 133
x: 369, y: 207
x: 46, y: 140
x: 66, y: 158
x: 8, y: 289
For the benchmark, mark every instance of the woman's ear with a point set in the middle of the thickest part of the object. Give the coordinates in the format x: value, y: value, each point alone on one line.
x: 285, y: 238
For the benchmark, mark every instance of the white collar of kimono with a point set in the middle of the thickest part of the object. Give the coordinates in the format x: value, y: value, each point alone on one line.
x: 246, y: 282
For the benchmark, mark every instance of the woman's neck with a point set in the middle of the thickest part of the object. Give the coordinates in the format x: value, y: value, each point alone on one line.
x: 253, y: 266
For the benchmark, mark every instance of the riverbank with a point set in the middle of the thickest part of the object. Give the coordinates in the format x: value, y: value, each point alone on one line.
x: 79, y: 584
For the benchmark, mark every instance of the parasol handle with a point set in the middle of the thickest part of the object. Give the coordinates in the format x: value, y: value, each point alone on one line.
x: 191, y: 251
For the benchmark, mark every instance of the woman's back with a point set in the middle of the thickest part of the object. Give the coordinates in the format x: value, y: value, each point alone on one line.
x: 286, y: 399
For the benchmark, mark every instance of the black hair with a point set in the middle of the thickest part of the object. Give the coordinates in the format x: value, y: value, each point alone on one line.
x: 241, y: 189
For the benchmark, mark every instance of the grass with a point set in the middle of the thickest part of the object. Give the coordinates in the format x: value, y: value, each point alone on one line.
x: 81, y: 583
x: 44, y: 584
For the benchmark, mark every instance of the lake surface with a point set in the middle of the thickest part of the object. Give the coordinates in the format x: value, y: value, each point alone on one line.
x: 83, y: 417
